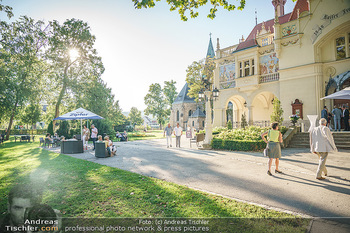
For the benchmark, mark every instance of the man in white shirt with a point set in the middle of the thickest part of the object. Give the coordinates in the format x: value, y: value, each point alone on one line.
x: 178, y: 133
x: 322, y: 142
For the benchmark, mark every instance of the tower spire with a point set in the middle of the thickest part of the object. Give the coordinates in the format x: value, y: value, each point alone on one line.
x: 210, y: 52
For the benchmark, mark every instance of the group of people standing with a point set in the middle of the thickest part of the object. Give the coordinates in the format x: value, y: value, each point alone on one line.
x: 86, y: 135
x: 169, y: 131
x: 338, y: 115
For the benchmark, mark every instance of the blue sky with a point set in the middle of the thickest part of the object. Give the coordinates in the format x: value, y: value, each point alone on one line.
x: 141, y: 47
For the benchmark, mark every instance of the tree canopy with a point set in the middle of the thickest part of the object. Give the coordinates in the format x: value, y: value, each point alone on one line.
x: 135, y: 116
x: 156, y: 104
x: 191, y: 6
x: 6, y: 9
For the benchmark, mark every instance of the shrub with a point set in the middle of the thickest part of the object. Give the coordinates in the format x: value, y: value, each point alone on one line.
x: 64, y: 129
x: 237, y: 145
x: 229, y: 124
x: 277, y: 113
x: 244, y: 122
x: 219, y: 129
x: 104, y: 127
x: 50, y: 128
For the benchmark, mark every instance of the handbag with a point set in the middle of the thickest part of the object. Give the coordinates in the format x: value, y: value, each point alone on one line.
x: 266, y: 152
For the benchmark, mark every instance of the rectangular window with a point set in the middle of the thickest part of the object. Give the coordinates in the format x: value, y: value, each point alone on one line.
x: 253, y: 67
x: 246, y: 68
x: 265, y: 42
x: 240, y: 70
x: 349, y: 45
x: 340, y: 46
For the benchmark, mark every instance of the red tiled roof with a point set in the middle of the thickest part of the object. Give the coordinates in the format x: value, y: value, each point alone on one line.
x: 250, y: 41
x: 268, y: 25
x: 302, y: 5
x: 246, y: 44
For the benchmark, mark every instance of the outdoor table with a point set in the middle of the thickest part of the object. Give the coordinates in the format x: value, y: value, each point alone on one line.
x: 23, y: 138
x: 72, y: 147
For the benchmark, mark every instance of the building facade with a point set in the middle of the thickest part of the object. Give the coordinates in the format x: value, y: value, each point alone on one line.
x: 298, y: 57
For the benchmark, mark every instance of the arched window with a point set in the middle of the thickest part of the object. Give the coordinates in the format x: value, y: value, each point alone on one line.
x: 189, y: 113
x: 177, y: 115
x: 203, y: 123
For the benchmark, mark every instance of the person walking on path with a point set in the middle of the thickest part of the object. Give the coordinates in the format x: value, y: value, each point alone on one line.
x: 322, y: 142
x: 274, y: 146
x: 178, y: 133
x: 337, y: 116
x: 94, y: 132
x: 86, y: 134
x: 346, y: 118
x: 168, y: 132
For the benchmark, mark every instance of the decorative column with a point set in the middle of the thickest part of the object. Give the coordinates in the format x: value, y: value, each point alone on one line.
x: 217, y: 117
x: 208, y: 120
x: 250, y: 115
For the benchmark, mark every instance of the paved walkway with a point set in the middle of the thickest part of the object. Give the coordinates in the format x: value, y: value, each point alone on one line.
x: 242, y: 176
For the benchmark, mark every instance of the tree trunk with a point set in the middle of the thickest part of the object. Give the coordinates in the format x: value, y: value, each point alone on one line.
x: 64, y: 87
x: 11, y: 120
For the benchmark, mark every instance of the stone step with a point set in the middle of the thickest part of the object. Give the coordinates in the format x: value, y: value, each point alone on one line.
x: 301, y: 140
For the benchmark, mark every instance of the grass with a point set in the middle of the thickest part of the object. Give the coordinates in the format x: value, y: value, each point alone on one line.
x: 83, y: 189
x: 140, y: 135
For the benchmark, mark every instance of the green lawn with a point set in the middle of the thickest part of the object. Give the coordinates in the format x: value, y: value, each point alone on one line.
x: 140, y: 135
x: 80, y: 188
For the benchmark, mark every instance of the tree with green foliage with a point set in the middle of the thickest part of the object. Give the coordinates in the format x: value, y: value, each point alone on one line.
x: 244, y: 122
x: 7, y: 10
x: 156, y: 104
x: 31, y: 114
x: 21, y: 65
x: 50, y: 128
x: 191, y: 6
x: 63, y: 129
x: 277, y: 113
x: 195, y: 73
x: 72, y: 57
x: 229, y: 124
x: 170, y: 92
x: 135, y: 116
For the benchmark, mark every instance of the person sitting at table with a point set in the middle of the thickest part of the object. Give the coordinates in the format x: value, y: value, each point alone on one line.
x: 62, y: 138
x: 99, y: 138
x: 118, y: 135
x: 124, y: 136
x: 55, y: 136
x: 73, y: 139
x: 112, y: 147
x: 48, y: 137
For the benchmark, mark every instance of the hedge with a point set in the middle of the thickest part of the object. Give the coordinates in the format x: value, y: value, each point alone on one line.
x: 237, y: 145
x: 25, y: 131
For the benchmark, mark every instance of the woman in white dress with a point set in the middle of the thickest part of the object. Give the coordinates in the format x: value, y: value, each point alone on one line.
x: 86, y: 134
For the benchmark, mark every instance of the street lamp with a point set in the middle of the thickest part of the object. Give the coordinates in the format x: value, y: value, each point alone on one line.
x: 208, y: 94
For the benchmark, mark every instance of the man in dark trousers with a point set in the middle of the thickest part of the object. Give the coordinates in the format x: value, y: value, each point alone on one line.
x: 346, y: 117
x: 324, y: 112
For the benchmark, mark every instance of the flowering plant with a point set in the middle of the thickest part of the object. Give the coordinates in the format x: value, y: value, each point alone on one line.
x: 294, y: 119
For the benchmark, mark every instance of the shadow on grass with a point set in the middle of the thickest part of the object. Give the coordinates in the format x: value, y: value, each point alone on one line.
x: 84, y: 189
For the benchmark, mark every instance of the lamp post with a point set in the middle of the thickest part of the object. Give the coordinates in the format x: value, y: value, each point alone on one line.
x: 208, y: 95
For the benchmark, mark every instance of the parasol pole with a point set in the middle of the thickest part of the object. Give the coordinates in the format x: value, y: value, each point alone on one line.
x: 81, y: 129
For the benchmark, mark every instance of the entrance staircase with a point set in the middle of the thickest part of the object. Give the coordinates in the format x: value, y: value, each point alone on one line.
x: 301, y: 140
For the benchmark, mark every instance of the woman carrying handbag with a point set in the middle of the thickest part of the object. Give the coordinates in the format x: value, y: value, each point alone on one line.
x: 273, y: 146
